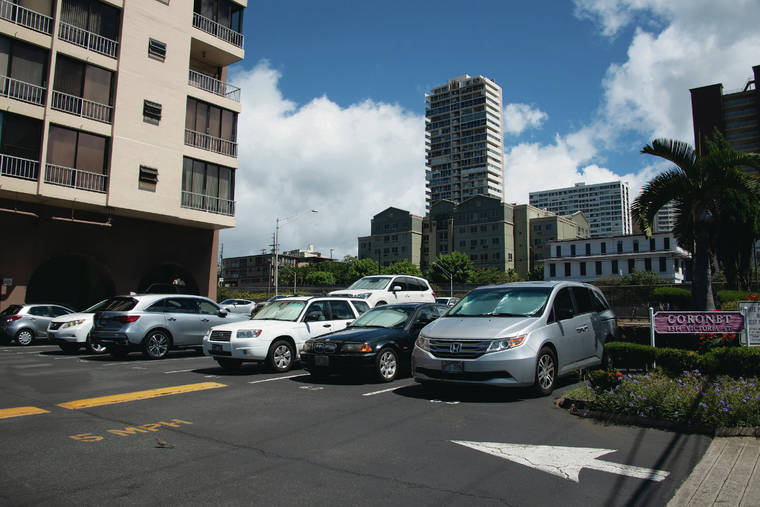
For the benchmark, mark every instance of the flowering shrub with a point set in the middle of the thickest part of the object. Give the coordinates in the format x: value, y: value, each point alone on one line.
x: 709, y: 341
x: 691, y: 398
x: 603, y: 380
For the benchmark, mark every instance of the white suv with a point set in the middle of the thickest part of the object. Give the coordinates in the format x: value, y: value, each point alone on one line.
x: 389, y: 289
x: 277, y: 332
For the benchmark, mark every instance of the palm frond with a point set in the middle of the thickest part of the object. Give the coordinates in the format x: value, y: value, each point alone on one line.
x: 681, y: 154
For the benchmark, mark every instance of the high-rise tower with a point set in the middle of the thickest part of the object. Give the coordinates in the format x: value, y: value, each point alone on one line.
x: 464, y: 140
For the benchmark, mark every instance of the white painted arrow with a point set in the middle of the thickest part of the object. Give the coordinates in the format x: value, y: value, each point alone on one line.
x: 565, y: 462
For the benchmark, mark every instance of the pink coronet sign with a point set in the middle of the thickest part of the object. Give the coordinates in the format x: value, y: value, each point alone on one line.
x: 698, y: 322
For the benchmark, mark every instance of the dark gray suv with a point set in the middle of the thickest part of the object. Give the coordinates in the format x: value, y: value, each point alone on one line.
x: 156, y: 323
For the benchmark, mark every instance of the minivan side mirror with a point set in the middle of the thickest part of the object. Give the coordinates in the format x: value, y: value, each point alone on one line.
x: 222, y: 313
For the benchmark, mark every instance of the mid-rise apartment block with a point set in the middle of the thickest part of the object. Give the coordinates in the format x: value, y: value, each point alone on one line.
x: 736, y: 114
x: 118, y: 148
x: 606, y: 206
x: 396, y: 235
x: 464, y: 140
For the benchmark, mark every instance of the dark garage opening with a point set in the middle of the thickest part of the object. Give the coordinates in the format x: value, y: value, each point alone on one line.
x: 69, y: 280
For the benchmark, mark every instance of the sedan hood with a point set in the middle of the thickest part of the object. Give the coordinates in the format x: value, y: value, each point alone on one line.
x: 74, y: 316
x: 361, y: 334
x: 478, y: 328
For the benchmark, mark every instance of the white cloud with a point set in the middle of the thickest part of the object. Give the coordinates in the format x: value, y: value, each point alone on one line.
x: 518, y: 117
x: 348, y: 163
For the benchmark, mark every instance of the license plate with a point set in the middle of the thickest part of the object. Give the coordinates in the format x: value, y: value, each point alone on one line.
x: 453, y: 366
x: 215, y: 347
x: 321, y: 361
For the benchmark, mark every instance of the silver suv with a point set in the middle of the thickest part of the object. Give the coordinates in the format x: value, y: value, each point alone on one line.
x: 155, y: 323
x: 518, y: 334
x: 24, y: 323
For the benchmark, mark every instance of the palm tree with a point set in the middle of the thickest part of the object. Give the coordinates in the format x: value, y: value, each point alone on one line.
x: 696, y: 185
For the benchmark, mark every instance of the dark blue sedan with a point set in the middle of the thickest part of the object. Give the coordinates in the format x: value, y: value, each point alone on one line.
x: 380, y: 341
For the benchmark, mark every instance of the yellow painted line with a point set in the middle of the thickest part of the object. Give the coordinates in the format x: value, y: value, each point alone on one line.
x: 6, y: 413
x: 139, y: 395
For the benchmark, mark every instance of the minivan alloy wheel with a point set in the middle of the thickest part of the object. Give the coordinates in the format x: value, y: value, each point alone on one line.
x: 546, y: 372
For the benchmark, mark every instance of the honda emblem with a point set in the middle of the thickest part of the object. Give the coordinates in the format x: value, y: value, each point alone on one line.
x: 456, y: 348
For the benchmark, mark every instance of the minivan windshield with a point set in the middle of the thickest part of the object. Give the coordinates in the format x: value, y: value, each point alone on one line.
x: 371, y: 283
x: 280, y: 310
x: 502, y: 302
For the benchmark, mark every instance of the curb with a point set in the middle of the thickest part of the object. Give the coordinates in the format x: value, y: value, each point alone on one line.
x: 581, y: 408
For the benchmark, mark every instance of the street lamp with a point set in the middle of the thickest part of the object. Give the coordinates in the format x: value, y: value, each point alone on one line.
x: 277, y: 244
x: 451, y: 278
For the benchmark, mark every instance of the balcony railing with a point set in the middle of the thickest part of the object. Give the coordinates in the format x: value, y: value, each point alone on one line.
x: 81, y: 107
x: 214, y: 86
x: 208, y: 203
x: 19, y: 90
x: 210, y: 143
x: 75, y: 178
x: 26, y: 17
x: 19, y: 167
x: 217, y: 30
x: 88, y: 40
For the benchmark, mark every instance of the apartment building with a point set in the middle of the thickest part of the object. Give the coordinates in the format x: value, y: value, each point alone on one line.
x: 606, y: 206
x: 736, y: 114
x: 395, y: 235
x: 464, y: 140
x: 118, y: 145
x: 590, y: 259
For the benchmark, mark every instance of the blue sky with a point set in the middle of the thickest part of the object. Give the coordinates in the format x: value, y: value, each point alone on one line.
x: 333, y: 98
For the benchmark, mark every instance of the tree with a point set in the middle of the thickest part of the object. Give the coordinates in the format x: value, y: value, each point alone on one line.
x: 489, y: 276
x: 537, y: 273
x: 698, y: 185
x: 361, y: 268
x: 320, y: 278
x: 456, y: 263
x: 737, y: 229
x: 402, y: 268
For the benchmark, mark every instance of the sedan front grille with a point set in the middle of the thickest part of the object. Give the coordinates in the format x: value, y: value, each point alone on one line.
x: 325, y: 347
x: 220, y: 336
x: 459, y: 348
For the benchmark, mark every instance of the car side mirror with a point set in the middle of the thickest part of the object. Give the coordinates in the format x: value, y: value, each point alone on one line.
x: 396, y: 288
x: 222, y: 313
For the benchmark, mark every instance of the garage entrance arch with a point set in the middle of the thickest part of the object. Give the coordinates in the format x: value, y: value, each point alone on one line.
x: 71, y: 280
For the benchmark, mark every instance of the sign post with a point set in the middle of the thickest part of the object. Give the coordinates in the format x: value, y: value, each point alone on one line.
x: 751, y: 312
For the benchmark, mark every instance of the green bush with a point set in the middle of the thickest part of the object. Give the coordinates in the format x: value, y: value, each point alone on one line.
x: 603, y: 380
x: 677, y: 361
x: 676, y: 297
x: 630, y: 356
x: 735, y: 361
x: 727, y: 296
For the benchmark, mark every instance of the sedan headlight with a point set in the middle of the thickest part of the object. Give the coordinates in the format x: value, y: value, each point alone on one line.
x: 72, y: 323
x: 356, y: 347
x: 307, y: 346
x: 506, y: 343
x: 248, y: 333
x: 423, y: 342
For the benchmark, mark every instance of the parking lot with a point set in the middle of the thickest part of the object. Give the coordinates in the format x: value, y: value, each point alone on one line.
x: 81, y: 429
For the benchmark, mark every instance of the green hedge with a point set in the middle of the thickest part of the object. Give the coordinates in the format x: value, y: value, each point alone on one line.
x: 675, y: 296
x: 733, y: 361
x: 724, y: 296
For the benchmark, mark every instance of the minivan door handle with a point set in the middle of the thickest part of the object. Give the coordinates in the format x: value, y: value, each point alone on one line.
x: 171, y: 319
x: 205, y: 320
x: 582, y: 329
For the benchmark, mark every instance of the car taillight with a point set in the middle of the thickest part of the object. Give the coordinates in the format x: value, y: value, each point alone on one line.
x: 433, y: 295
x: 125, y: 319
x: 12, y: 318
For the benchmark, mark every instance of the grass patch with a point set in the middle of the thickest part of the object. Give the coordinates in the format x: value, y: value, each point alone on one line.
x: 691, y: 398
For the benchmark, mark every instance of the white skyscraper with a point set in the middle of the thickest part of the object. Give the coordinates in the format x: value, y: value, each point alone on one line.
x: 464, y: 140
x: 606, y: 206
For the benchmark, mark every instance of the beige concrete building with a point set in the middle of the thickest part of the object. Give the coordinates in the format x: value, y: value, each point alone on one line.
x: 118, y: 145
x: 395, y: 235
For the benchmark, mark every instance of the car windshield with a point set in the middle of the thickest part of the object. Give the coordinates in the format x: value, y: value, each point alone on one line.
x: 119, y: 304
x: 11, y: 310
x: 384, y: 317
x: 371, y: 283
x: 502, y: 302
x: 281, y: 310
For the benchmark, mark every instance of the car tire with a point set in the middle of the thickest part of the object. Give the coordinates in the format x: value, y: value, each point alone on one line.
x: 546, y: 372
x: 69, y: 348
x: 24, y: 337
x: 230, y: 364
x: 156, y: 344
x: 386, y: 364
x: 94, y: 348
x: 281, y: 356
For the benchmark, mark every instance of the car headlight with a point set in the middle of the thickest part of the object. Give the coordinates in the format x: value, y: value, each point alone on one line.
x: 307, y: 346
x: 72, y: 323
x: 356, y: 347
x: 423, y: 342
x: 506, y: 343
x: 248, y: 333
x: 363, y: 295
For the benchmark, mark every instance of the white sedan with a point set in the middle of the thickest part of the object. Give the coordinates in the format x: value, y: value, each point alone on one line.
x: 72, y: 331
x: 278, y: 331
x: 239, y: 306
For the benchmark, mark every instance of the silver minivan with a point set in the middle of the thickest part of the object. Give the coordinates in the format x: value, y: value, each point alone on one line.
x: 516, y: 334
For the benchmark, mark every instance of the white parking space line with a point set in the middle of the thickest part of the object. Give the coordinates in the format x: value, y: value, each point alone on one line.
x: 386, y: 390
x: 180, y: 371
x: 23, y: 366
x: 278, y: 378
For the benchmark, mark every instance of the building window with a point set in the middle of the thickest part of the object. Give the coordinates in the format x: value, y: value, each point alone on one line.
x: 148, y: 178
x: 598, y: 267
x: 151, y: 111
x: 76, y: 159
x: 583, y: 268
x: 21, y: 136
x: 652, y: 244
x: 509, y: 257
x: 572, y: 250
x: 604, y: 247
x: 552, y: 270
x: 567, y: 269
x: 157, y: 49
x: 619, y: 247
x: 559, y: 251
x: 208, y: 187
x: 635, y: 245
x: 663, y: 264
x: 210, y: 127
x: 666, y: 243
x: 631, y: 265
x: 224, y: 12
x: 615, y: 270
x: 76, y: 79
x: 26, y: 64
x: 588, y: 248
